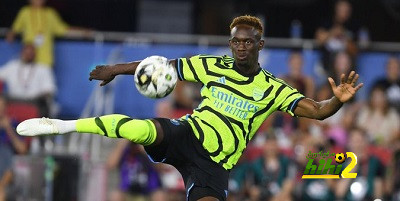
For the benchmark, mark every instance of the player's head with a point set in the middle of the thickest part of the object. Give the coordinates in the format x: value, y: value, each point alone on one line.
x: 37, y: 3
x: 357, y: 141
x: 393, y: 68
x: 342, y: 63
x: 271, y: 147
x: 245, y: 41
x: 342, y: 11
x: 28, y: 53
x: 296, y: 63
x: 378, y: 100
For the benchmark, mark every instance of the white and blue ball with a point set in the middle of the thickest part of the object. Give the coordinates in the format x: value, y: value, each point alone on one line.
x: 155, y: 77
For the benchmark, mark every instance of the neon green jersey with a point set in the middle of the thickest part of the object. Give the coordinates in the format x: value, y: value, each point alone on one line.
x: 233, y: 105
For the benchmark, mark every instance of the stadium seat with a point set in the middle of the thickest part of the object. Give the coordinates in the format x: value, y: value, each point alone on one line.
x: 22, y: 111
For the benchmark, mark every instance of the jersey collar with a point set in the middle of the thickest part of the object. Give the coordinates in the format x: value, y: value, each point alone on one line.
x: 237, y: 69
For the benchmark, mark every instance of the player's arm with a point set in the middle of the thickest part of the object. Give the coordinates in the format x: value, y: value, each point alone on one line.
x: 317, y: 110
x: 107, y: 73
x: 191, y: 69
x: 324, y: 109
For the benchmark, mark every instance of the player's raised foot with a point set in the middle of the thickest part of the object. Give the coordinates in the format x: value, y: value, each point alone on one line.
x: 38, y: 126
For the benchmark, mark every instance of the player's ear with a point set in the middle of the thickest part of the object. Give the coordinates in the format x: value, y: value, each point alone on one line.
x: 261, y: 45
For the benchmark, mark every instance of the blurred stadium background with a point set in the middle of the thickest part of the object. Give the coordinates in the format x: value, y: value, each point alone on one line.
x: 88, y: 167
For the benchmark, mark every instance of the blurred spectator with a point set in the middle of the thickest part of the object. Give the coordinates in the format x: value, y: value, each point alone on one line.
x: 368, y: 184
x: 38, y: 25
x: 29, y: 81
x: 391, y: 83
x: 139, y: 180
x: 296, y: 77
x: 304, y: 84
x: 380, y: 121
x: 185, y: 97
x: 10, y: 144
x: 337, y: 34
x: 269, y: 177
x: 341, y: 65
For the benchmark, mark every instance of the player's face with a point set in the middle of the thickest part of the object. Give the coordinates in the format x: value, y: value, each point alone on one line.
x: 37, y: 3
x: 343, y: 11
x: 357, y: 142
x: 245, y: 44
x: 378, y: 99
x: 271, y: 147
x: 342, y: 63
x: 393, y: 68
x: 28, y: 53
x: 296, y: 63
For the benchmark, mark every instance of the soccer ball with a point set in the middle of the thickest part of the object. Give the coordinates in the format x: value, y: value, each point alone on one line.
x: 155, y: 77
x: 339, y: 158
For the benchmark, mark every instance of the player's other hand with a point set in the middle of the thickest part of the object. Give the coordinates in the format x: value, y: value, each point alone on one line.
x: 103, y: 73
x: 347, y: 87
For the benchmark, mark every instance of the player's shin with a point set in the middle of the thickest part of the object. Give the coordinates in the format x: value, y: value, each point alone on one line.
x: 119, y: 126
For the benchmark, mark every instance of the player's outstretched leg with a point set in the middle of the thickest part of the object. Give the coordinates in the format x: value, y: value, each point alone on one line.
x: 114, y: 126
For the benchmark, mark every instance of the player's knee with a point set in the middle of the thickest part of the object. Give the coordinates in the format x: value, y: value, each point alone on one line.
x: 139, y: 131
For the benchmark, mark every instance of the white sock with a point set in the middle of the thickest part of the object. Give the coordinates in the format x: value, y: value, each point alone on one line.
x: 65, y: 126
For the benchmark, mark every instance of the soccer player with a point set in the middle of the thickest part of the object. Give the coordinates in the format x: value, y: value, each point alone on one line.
x: 238, y: 95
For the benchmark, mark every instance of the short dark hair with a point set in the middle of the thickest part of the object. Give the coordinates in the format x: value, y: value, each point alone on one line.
x: 379, y: 87
x: 295, y: 52
x: 248, y: 20
x: 360, y: 130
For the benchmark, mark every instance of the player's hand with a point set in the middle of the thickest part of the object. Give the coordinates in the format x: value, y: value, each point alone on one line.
x: 103, y: 73
x: 347, y: 88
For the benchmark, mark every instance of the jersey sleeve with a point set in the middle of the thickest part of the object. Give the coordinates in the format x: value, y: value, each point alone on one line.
x: 287, y: 98
x: 59, y: 27
x: 191, y: 69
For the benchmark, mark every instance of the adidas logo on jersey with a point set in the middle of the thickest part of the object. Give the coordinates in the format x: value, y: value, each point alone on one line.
x: 221, y: 80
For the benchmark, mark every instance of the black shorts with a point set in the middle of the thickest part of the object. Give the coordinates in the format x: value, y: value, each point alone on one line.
x: 181, y: 149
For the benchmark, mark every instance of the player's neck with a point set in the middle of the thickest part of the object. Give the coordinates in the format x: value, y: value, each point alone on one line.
x: 248, y: 69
